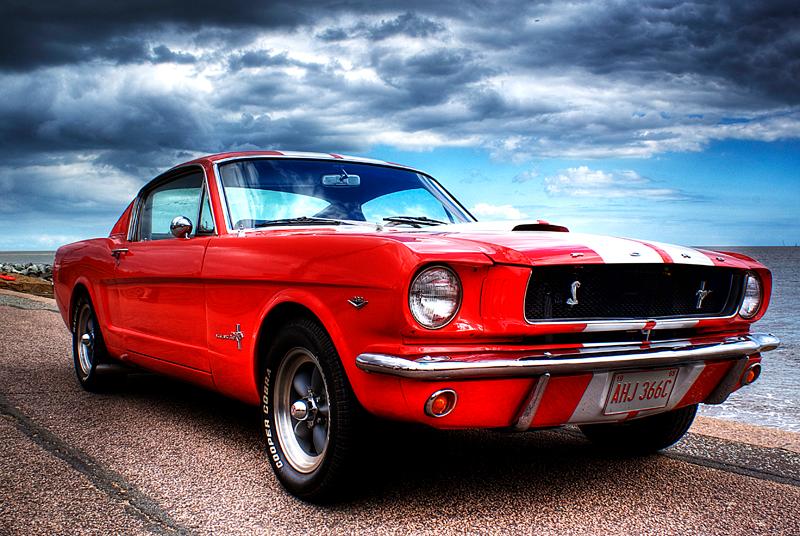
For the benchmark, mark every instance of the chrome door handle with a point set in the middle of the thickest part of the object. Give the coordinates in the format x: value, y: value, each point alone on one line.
x: 118, y: 251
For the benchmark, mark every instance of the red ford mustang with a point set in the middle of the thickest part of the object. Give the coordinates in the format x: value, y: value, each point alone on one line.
x: 316, y: 285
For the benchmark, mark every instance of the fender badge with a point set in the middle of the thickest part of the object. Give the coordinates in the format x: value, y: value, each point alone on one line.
x: 357, y: 301
x: 233, y: 336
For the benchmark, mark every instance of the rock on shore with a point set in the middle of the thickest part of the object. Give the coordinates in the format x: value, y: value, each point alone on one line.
x: 42, y: 271
x: 29, y: 278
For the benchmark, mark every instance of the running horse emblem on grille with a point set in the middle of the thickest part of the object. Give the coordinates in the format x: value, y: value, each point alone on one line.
x: 573, y: 300
x: 702, y: 294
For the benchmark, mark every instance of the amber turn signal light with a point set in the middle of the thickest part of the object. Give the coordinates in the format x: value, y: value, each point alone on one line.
x: 751, y: 374
x: 441, y: 403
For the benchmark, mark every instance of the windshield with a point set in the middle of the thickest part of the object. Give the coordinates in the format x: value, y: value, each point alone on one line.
x: 261, y: 192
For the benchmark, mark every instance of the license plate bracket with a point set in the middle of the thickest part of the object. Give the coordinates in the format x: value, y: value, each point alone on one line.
x: 639, y: 391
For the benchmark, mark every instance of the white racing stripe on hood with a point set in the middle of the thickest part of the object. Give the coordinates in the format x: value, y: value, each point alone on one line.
x: 683, y: 255
x: 612, y: 250
x: 618, y: 250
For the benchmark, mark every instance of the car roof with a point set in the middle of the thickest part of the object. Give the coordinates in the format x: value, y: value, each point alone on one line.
x: 219, y: 157
x: 233, y: 155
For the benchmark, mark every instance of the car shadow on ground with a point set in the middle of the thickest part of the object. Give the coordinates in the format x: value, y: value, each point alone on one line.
x: 403, y: 463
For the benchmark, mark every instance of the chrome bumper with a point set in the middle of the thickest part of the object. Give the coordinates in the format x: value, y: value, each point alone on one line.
x: 590, y: 359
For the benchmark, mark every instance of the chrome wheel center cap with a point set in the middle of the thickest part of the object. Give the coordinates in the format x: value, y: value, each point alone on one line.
x: 86, y: 339
x: 302, y: 410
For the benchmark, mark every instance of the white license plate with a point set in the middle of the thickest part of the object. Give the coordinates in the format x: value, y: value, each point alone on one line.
x: 637, y: 391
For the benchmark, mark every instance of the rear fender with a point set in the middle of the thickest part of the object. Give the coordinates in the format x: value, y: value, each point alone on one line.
x: 82, y: 285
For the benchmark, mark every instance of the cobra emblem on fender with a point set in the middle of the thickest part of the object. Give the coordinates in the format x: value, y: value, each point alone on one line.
x: 233, y: 336
x: 573, y: 299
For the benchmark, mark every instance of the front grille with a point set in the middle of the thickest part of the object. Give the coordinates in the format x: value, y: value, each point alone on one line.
x: 631, y: 291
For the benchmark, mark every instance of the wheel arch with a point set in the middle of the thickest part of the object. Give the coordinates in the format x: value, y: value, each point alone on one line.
x: 80, y: 288
x: 285, y: 308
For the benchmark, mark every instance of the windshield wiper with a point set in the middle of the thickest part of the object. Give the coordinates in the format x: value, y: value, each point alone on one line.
x: 415, y: 221
x: 302, y: 220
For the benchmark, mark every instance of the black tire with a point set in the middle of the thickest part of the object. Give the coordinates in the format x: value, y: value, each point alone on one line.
x: 312, y: 474
x: 87, y: 355
x: 642, y: 436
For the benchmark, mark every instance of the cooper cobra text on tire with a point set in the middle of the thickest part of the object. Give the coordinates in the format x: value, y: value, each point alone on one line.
x: 308, y: 411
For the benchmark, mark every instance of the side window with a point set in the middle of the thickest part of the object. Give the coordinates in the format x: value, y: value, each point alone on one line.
x: 206, y: 224
x: 178, y: 197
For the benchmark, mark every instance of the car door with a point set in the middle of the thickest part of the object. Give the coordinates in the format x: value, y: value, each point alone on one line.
x: 161, y: 293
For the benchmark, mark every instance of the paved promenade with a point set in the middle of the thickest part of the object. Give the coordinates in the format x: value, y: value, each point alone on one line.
x: 158, y: 456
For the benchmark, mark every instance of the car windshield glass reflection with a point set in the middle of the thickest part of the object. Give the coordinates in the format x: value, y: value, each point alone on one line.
x: 266, y: 192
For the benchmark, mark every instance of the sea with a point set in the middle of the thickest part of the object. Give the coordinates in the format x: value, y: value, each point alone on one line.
x: 774, y: 400
x: 24, y: 257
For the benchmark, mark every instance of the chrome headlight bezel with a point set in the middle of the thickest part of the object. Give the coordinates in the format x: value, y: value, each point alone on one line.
x: 752, y: 296
x: 415, y: 296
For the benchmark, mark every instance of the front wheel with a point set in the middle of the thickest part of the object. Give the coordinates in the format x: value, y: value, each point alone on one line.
x: 642, y: 436
x: 308, y: 412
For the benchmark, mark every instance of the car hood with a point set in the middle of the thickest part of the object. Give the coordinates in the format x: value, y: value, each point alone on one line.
x: 525, y: 243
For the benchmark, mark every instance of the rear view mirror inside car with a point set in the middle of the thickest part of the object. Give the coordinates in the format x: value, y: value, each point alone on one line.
x: 341, y: 181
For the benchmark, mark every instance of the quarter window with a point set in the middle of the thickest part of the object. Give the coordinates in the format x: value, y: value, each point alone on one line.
x: 178, y: 197
x: 206, y: 223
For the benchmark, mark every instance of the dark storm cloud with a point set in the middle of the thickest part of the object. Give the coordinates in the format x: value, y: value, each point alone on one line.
x: 53, y: 32
x: 259, y: 58
x: 409, y: 24
x: 41, y: 33
x: 58, y: 117
x: 753, y: 45
x: 123, y: 90
x: 428, y: 77
x: 162, y: 54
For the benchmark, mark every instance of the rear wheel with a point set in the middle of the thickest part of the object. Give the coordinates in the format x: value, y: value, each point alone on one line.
x: 88, y: 348
x: 308, y: 409
x: 642, y: 436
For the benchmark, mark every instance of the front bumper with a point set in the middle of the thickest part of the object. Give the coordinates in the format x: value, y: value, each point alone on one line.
x: 597, y: 358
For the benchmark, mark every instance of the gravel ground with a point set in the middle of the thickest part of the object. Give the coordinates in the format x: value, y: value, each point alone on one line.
x: 157, y: 456
x: 756, y: 435
x: 24, y: 301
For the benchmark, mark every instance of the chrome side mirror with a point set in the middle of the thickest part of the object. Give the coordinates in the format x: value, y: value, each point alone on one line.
x: 181, y: 227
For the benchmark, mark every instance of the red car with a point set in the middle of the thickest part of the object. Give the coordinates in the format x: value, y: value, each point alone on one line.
x: 319, y: 286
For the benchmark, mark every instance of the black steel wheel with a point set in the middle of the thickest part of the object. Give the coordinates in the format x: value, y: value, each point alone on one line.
x: 642, y: 436
x: 308, y: 412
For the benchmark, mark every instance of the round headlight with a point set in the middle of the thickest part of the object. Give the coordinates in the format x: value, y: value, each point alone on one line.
x: 752, y: 297
x: 434, y: 297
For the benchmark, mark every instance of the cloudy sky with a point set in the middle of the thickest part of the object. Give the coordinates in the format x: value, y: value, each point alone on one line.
x: 663, y: 120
